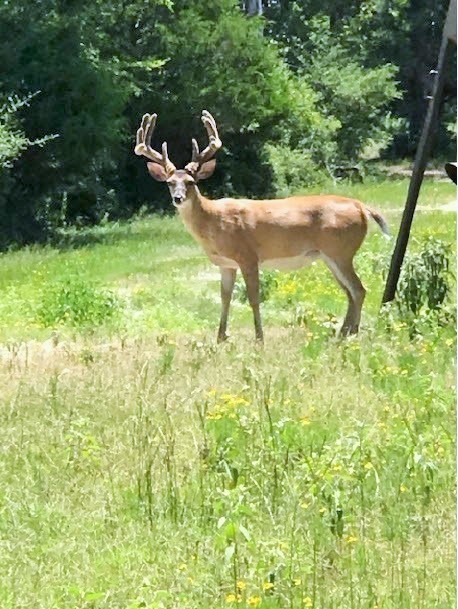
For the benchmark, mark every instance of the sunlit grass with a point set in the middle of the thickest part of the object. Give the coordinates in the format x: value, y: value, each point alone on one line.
x: 143, y: 466
x: 164, y: 281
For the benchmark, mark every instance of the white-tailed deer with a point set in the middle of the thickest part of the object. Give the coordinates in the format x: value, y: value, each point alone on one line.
x: 248, y: 234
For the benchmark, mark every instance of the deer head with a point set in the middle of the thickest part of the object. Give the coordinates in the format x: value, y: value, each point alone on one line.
x: 181, y: 182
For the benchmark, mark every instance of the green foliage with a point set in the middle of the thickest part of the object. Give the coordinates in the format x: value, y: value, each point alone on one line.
x: 365, y: 39
x: 311, y: 86
x: 187, y: 475
x: 267, y: 285
x: 12, y: 139
x: 224, y: 64
x: 292, y: 170
x: 76, y: 302
x: 77, y: 102
x: 145, y: 466
x: 358, y: 98
x: 424, y: 285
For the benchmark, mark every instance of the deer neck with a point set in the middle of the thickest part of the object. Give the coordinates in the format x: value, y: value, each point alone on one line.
x: 194, y: 207
x: 194, y: 212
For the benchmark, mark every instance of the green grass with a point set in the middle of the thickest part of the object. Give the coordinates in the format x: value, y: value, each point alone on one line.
x: 142, y: 466
x: 163, y: 281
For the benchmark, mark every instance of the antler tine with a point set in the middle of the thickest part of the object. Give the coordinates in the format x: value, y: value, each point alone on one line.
x: 143, y: 143
x: 195, y: 151
x: 214, y: 144
x: 167, y: 162
x: 148, y: 124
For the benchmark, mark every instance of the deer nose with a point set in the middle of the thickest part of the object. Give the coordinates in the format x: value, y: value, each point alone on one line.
x: 177, y: 200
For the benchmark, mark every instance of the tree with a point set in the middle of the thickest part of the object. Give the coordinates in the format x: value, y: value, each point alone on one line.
x: 370, y: 35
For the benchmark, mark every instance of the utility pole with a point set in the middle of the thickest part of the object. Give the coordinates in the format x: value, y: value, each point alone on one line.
x: 421, y: 158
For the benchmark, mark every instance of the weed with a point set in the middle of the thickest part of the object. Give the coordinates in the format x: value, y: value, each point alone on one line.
x: 267, y: 284
x: 143, y: 466
x: 424, y: 285
x: 76, y: 302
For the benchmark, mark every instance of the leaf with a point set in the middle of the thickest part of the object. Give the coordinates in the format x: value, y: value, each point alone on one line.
x: 245, y: 532
x: 230, y: 530
x: 229, y: 552
x: 93, y: 596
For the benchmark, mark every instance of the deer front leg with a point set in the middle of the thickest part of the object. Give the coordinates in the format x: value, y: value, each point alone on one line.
x: 251, y: 277
x: 227, y: 286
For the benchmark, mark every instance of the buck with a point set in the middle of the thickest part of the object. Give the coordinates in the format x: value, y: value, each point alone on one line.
x: 247, y: 234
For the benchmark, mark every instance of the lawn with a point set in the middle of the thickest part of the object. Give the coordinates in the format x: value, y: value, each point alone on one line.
x: 143, y: 466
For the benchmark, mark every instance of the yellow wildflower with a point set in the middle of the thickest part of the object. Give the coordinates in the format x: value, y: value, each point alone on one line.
x: 214, y: 416
x: 368, y: 465
x: 305, y: 421
x: 403, y: 488
x: 254, y: 601
x: 241, y: 585
x: 267, y: 585
x: 182, y: 566
x: 323, y: 510
x: 351, y: 539
x: 230, y: 598
x: 297, y: 581
x: 304, y: 505
x: 307, y: 601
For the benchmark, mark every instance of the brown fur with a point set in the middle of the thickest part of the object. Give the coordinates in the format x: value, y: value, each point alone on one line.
x: 246, y: 234
x: 243, y: 234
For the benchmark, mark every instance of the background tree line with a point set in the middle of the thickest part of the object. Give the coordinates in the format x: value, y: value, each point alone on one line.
x: 305, y: 87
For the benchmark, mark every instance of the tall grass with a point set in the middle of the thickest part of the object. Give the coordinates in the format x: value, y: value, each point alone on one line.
x: 142, y: 466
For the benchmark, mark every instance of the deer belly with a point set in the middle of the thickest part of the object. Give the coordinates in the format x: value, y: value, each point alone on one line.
x: 223, y: 262
x: 290, y: 263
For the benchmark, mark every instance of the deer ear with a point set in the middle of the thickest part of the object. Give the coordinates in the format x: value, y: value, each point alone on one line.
x: 206, y: 170
x: 157, y: 172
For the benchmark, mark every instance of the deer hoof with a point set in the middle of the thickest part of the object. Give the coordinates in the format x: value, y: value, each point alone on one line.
x: 349, y: 330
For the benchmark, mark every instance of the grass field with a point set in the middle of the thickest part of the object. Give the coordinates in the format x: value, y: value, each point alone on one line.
x: 143, y: 466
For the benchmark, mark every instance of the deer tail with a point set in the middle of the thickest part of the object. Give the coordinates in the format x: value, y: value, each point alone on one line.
x: 377, y: 216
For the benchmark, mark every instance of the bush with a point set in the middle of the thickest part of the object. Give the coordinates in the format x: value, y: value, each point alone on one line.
x: 424, y: 286
x: 267, y: 285
x: 292, y: 170
x: 76, y: 302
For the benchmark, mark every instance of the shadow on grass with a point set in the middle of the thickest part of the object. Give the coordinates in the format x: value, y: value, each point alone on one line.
x: 111, y: 233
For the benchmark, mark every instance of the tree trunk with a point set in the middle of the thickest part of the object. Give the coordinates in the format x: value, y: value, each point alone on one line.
x: 253, y: 7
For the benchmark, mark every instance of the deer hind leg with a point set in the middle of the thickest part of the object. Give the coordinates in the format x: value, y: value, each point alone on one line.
x: 227, y: 287
x: 251, y: 277
x: 349, y: 281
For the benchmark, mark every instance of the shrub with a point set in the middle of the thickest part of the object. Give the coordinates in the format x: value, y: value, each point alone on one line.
x: 267, y: 285
x: 291, y: 169
x: 424, y: 285
x: 77, y: 302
